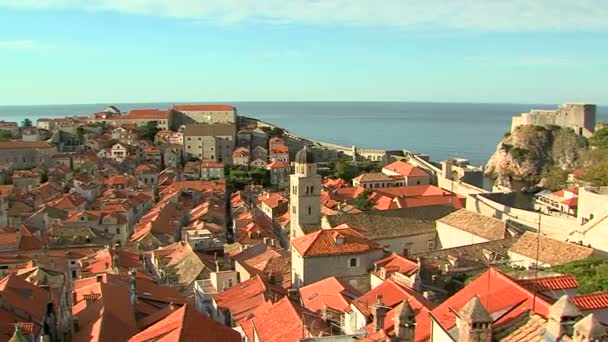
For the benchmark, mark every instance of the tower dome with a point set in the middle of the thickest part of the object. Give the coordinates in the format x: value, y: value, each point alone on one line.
x: 305, y: 156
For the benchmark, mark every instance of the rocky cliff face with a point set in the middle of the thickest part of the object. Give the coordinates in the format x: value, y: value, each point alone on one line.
x: 528, y: 151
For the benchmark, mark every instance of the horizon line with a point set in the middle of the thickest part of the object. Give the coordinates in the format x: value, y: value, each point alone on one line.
x: 293, y: 101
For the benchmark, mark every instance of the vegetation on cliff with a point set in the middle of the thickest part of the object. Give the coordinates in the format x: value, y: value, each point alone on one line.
x: 531, y: 152
x: 546, y: 155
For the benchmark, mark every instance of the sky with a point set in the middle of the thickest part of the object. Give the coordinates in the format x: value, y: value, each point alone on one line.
x: 113, y: 51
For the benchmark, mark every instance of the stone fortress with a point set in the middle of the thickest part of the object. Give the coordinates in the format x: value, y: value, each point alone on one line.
x: 578, y: 116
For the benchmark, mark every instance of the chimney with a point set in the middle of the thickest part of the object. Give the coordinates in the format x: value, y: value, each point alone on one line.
x: 563, y: 315
x: 589, y: 329
x: 132, y: 287
x: 474, y: 322
x: 405, y: 322
x: 379, y: 312
x: 406, y: 251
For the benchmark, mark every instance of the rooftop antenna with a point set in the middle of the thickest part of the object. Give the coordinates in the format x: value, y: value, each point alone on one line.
x: 536, y: 264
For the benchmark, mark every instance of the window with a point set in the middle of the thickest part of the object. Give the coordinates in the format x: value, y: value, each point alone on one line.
x: 353, y: 262
x: 117, y: 230
x: 312, y: 189
x: 309, y: 210
x: 431, y: 245
x: 293, y: 209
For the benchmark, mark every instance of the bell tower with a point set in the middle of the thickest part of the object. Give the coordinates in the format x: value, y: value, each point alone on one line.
x: 304, y: 194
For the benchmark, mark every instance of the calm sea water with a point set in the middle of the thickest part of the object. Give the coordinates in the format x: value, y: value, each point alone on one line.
x: 441, y: 130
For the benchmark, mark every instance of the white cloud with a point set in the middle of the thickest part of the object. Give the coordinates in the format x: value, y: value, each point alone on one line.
x: 17, y: 44
x: 514, y: 15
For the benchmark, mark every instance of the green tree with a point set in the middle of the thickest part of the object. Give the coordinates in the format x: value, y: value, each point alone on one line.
x: 600, y: 138
x: 346, y: 170
x: 5, y: 135
x: 260, y: 176
x: 363, y: 202
x: 591, y: 273
x: 26, y: 123
x: 44, y: 176
x: 555, y: 178
x: 597, y: 173
x: 149, y: 131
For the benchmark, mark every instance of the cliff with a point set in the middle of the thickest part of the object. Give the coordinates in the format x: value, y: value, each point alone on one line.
x: 527, y: 152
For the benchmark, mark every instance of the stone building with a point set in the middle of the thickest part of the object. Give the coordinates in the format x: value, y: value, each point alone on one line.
x: 209, y: 114
x: 210, y: 141
x: 305, y: 195
x: 341, y: 252
x: 25, y: 155
x: 140, y: 117
x: 578, y: 116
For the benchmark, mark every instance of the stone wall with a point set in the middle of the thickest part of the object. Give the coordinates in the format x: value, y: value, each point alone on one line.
x: 578, y: 116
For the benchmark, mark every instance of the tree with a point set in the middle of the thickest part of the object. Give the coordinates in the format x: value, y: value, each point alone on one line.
x: 260, y: 176
x: 346, y: 170
x: 363, y: 202
x: 555, y: 178
x: 599, y: 139
x: 591, y: 273
x: 597, y: 174
x: 149, y: 131
x: 5, y: 135
x: 26, y: 123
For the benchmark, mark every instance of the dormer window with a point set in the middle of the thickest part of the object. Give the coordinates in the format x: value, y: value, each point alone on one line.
x: 339, y: 239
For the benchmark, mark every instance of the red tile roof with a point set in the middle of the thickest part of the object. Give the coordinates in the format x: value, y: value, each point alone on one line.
x: 279, y: 149
x: 19, y: 294
x: 278, y: 165
x: 405, y: 169
x: 110, y: 315
x: 552, y: 283
x: 328, y: 293
x: 284, y: 321
x: 497, y: 292
x: 18, y: 144
x: 327, y: 242
x: 591, y: 301
x: 142, y: 114
x: 274, y: 200
x: 28, y: 240
x: 69, y: 201
x: 397, y: 263
x: 204, y: 108
x: 187, y: 325
x: 393, y: 294
x: 243, y: 298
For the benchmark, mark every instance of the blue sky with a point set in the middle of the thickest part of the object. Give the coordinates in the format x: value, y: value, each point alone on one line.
x: 111, y: 51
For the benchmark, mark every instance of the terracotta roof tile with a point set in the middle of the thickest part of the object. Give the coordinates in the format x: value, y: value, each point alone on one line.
x: 328, y: 293
x: 243, y: 298
x: 284, y: 321
x: 324, y: 242
x: 551, y: 283
x: 187, y: 325
x: 405, y: 169
x: 18, y: 144
x: 591, y: 301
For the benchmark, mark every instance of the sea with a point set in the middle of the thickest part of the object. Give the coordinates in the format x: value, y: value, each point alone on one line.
x: 440, y: 130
